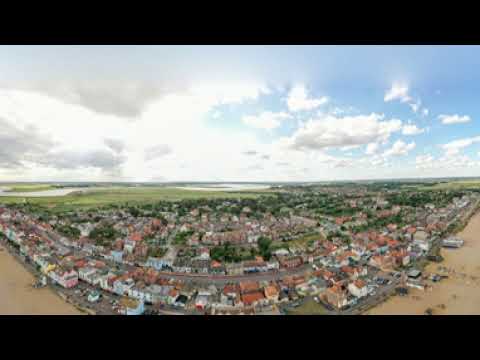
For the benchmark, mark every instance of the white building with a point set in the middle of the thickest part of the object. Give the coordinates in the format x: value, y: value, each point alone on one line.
x: 358, y: 288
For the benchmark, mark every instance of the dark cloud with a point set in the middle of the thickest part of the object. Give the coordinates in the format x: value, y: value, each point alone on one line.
x: 157, y: 151
x: 21, y: 147
x: 115, y: 144
x: 18, y: 146
x: 122, y: 98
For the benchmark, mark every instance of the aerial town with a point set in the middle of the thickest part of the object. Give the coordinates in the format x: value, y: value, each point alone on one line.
x: 347, y: 247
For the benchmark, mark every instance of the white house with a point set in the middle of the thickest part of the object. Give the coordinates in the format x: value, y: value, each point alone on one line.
x: 421, y: 239
x: 86, y: 273
x: 358, y: 288
x: 141, y: 294
x: 122, y: 287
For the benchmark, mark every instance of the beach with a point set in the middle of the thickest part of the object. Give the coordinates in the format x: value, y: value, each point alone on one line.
x: 18, y: 297
x: 457, y: 295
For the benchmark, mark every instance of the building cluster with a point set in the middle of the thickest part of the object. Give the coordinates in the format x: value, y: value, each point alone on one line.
x: 341, y: 268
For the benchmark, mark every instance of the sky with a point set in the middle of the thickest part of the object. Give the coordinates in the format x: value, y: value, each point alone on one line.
x: 238, y: 113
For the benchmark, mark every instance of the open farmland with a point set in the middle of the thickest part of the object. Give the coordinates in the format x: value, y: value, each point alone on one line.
x: 457, y: 185
x: 27, y: 187
x: 121, y: 195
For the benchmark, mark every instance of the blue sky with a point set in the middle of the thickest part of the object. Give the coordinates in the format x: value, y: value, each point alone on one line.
x: 243, y: 113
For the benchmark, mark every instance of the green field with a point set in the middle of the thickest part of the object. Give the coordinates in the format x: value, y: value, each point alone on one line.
x: 309, y: 307
x: 120, y: 195
x: 305, y: 240
x: 27, y: 187
x: 457, y: 185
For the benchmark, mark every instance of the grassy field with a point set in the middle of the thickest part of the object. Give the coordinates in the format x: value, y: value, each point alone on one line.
x: 308, y: 238
x: 309, y: 307
x: 121, y: 195
x: 458, y: 185
x: 27, y: 187
x: 453, y: 185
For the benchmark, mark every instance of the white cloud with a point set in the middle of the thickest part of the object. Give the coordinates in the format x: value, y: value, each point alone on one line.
x: 445, y: 162
x: 230, y: 93
x: 415, y: 105
x: 461, y: 162
x: 424, y: 161
x: 298, y: 99
x: 454, y: 147
x: 411, y: 130
x: 157, y: 151
x: 97, y: 141
x: 399, y: 148
x: 372, y: 148
x: 331, y: 131
x: 379, y: 161
x: 349, y: 147
x: 116, y: 145
x: 453, y: 119
x: 266, y: 120
x: 343, y: 163
x: 398, y: 91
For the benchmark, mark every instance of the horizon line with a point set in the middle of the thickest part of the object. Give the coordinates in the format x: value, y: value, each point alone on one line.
x: 241, y: 182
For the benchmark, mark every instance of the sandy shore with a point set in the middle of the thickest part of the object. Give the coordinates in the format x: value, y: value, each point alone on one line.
x: 17, y: 297
x: 457, y: 295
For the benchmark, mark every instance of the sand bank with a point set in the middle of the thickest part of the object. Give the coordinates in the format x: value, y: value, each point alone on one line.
x: 18, y: 297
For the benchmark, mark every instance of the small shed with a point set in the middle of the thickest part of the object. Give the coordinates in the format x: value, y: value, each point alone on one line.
x: 414, y: 274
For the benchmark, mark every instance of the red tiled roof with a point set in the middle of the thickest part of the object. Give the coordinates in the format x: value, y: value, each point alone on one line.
x: 215, y: 264
x: 271, y: 290
x: 136, y: 237
x: 248, y: 286
x: 359, y: 283
x: 250, y: 298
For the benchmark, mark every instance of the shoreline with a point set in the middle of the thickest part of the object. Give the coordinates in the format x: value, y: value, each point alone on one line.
x: 459, y: 294
x: 18, y: 297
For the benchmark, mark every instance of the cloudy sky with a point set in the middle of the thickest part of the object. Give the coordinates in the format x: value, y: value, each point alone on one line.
x: 238, y: 113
